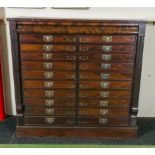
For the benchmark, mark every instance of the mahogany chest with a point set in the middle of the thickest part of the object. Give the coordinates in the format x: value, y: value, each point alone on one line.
x: 77, y: 77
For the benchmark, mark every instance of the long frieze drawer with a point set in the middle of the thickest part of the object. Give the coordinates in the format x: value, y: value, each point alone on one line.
x: 35, y: 102
x: 105, y: 75
x: 48, y: 93
x: 120, y: 121
x: 49, y: 121
x: 105, y: 66
x: 107, y: 57
x: 34, y: 111
x: 58, y: 29
x: 47, y: 48
x: 104, y: 94
x: 25, y: 65
x: 107, y: 48
x: 112, y: 112
x: 56, y: 75
x: 47, y: 38
x: 104, y: 103
x: 107, y: 39
x: 105, y: 85
x: 49, y: 84
x: 47, y: 56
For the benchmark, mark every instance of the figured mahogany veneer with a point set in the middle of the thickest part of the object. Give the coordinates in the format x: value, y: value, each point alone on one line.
x: 77, y: 77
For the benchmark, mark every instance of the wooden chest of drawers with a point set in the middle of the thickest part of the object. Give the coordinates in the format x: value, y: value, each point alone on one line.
x: 77, y: 77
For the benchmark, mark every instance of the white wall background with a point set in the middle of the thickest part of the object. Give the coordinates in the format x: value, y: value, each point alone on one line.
x: 146, y: 100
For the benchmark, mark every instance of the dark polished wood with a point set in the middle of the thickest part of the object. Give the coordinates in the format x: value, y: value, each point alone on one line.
x: 77, y: 77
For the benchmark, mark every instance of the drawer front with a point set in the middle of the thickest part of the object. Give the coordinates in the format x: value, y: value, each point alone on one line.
x: 69, y: 121
x: 47, y: 48
x: 49, y: 93
x: 105, y: 66
x: 105, y: 85
x: 107, y: 48
x: 47, y: 65
x: 107, y: 39
x: 47, y: 56
x: 58, y: 29
x: 104, y: 102
x: 29, y: 111
x: 33, y: 102
x: 104, y: 94
x: 113, y: 112
x: 107, y: 57
x: 49, y: 121
x: 56, y: 75
x: 105, y: 75
x: 47, y: 38
x: 49, y: 84
x: 120, y: 121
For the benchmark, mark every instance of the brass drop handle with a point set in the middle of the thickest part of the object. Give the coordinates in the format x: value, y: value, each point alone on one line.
x: 70, y: 39
x: 83, y: 104
x: 47, y: 65
x: 47, y: 56
x: 105, y: 76
x: 84, y: 49
x: 83, y: 58
x: 48, y: 75
x: 48, y: 84
x: 104, y: 112
x: 49, y: 93
x: 70, y: 121
x: 70, y: 48
x: 106, y: 57
x: 106, y: 48
x: 105, y: 94
x: 103, y: 121
x: 84, y: 86
x: 47, y: 38
x: 47, y: 48
x: 49, y: 120
x: 49, y: 103
x: 83, y: 40
x: 70, y: 57
x: 103, y: 103
x: 49, y: 111
x: 105, y: 66
x: 104, y: 85
x: 107, y: 39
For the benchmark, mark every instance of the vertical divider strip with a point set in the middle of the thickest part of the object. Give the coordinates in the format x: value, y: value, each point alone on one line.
x: 77, y: 80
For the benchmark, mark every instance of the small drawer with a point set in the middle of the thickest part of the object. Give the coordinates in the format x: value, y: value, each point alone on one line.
x: 105, y: 103
x: 46, y: 38
x: 49, y: 84
x: 112, y: 112
x: 46, y: 48
x: 105, y: 66
x: 47, y: 56
x: 49, y: 120
x: 101, y: 121
x: 108, y: 48
x: 104, y: 94
x: 107, y: 57
x: 35, y: 111
x: 107, y: 39
x: 43, y: 102
x: 105, y: 85
x: 48, y: 93
x: 85, y: 75
x: 48, y: 66
x: 47, y: 75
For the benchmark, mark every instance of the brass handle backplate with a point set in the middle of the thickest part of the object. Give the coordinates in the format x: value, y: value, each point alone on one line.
x: 49, y: 120
x: 48, y: 84
x: 103, y: 103
x: 104, y: 112
x: 49, y: 103
x: 104, y: 84
x: 103, y: 121
x: 47, y: 56
x: 106, y: 57
x: 48, y: 75
x: 106, y: 48
x: 47, y: 65
x: 49, y: 93
x: 47, y: 38
x: 105, y: 66
x: 47, y: 48
x: 107, y: 39
x: 49, y: 111
x: 105, y: 94
x: 105, y: 76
